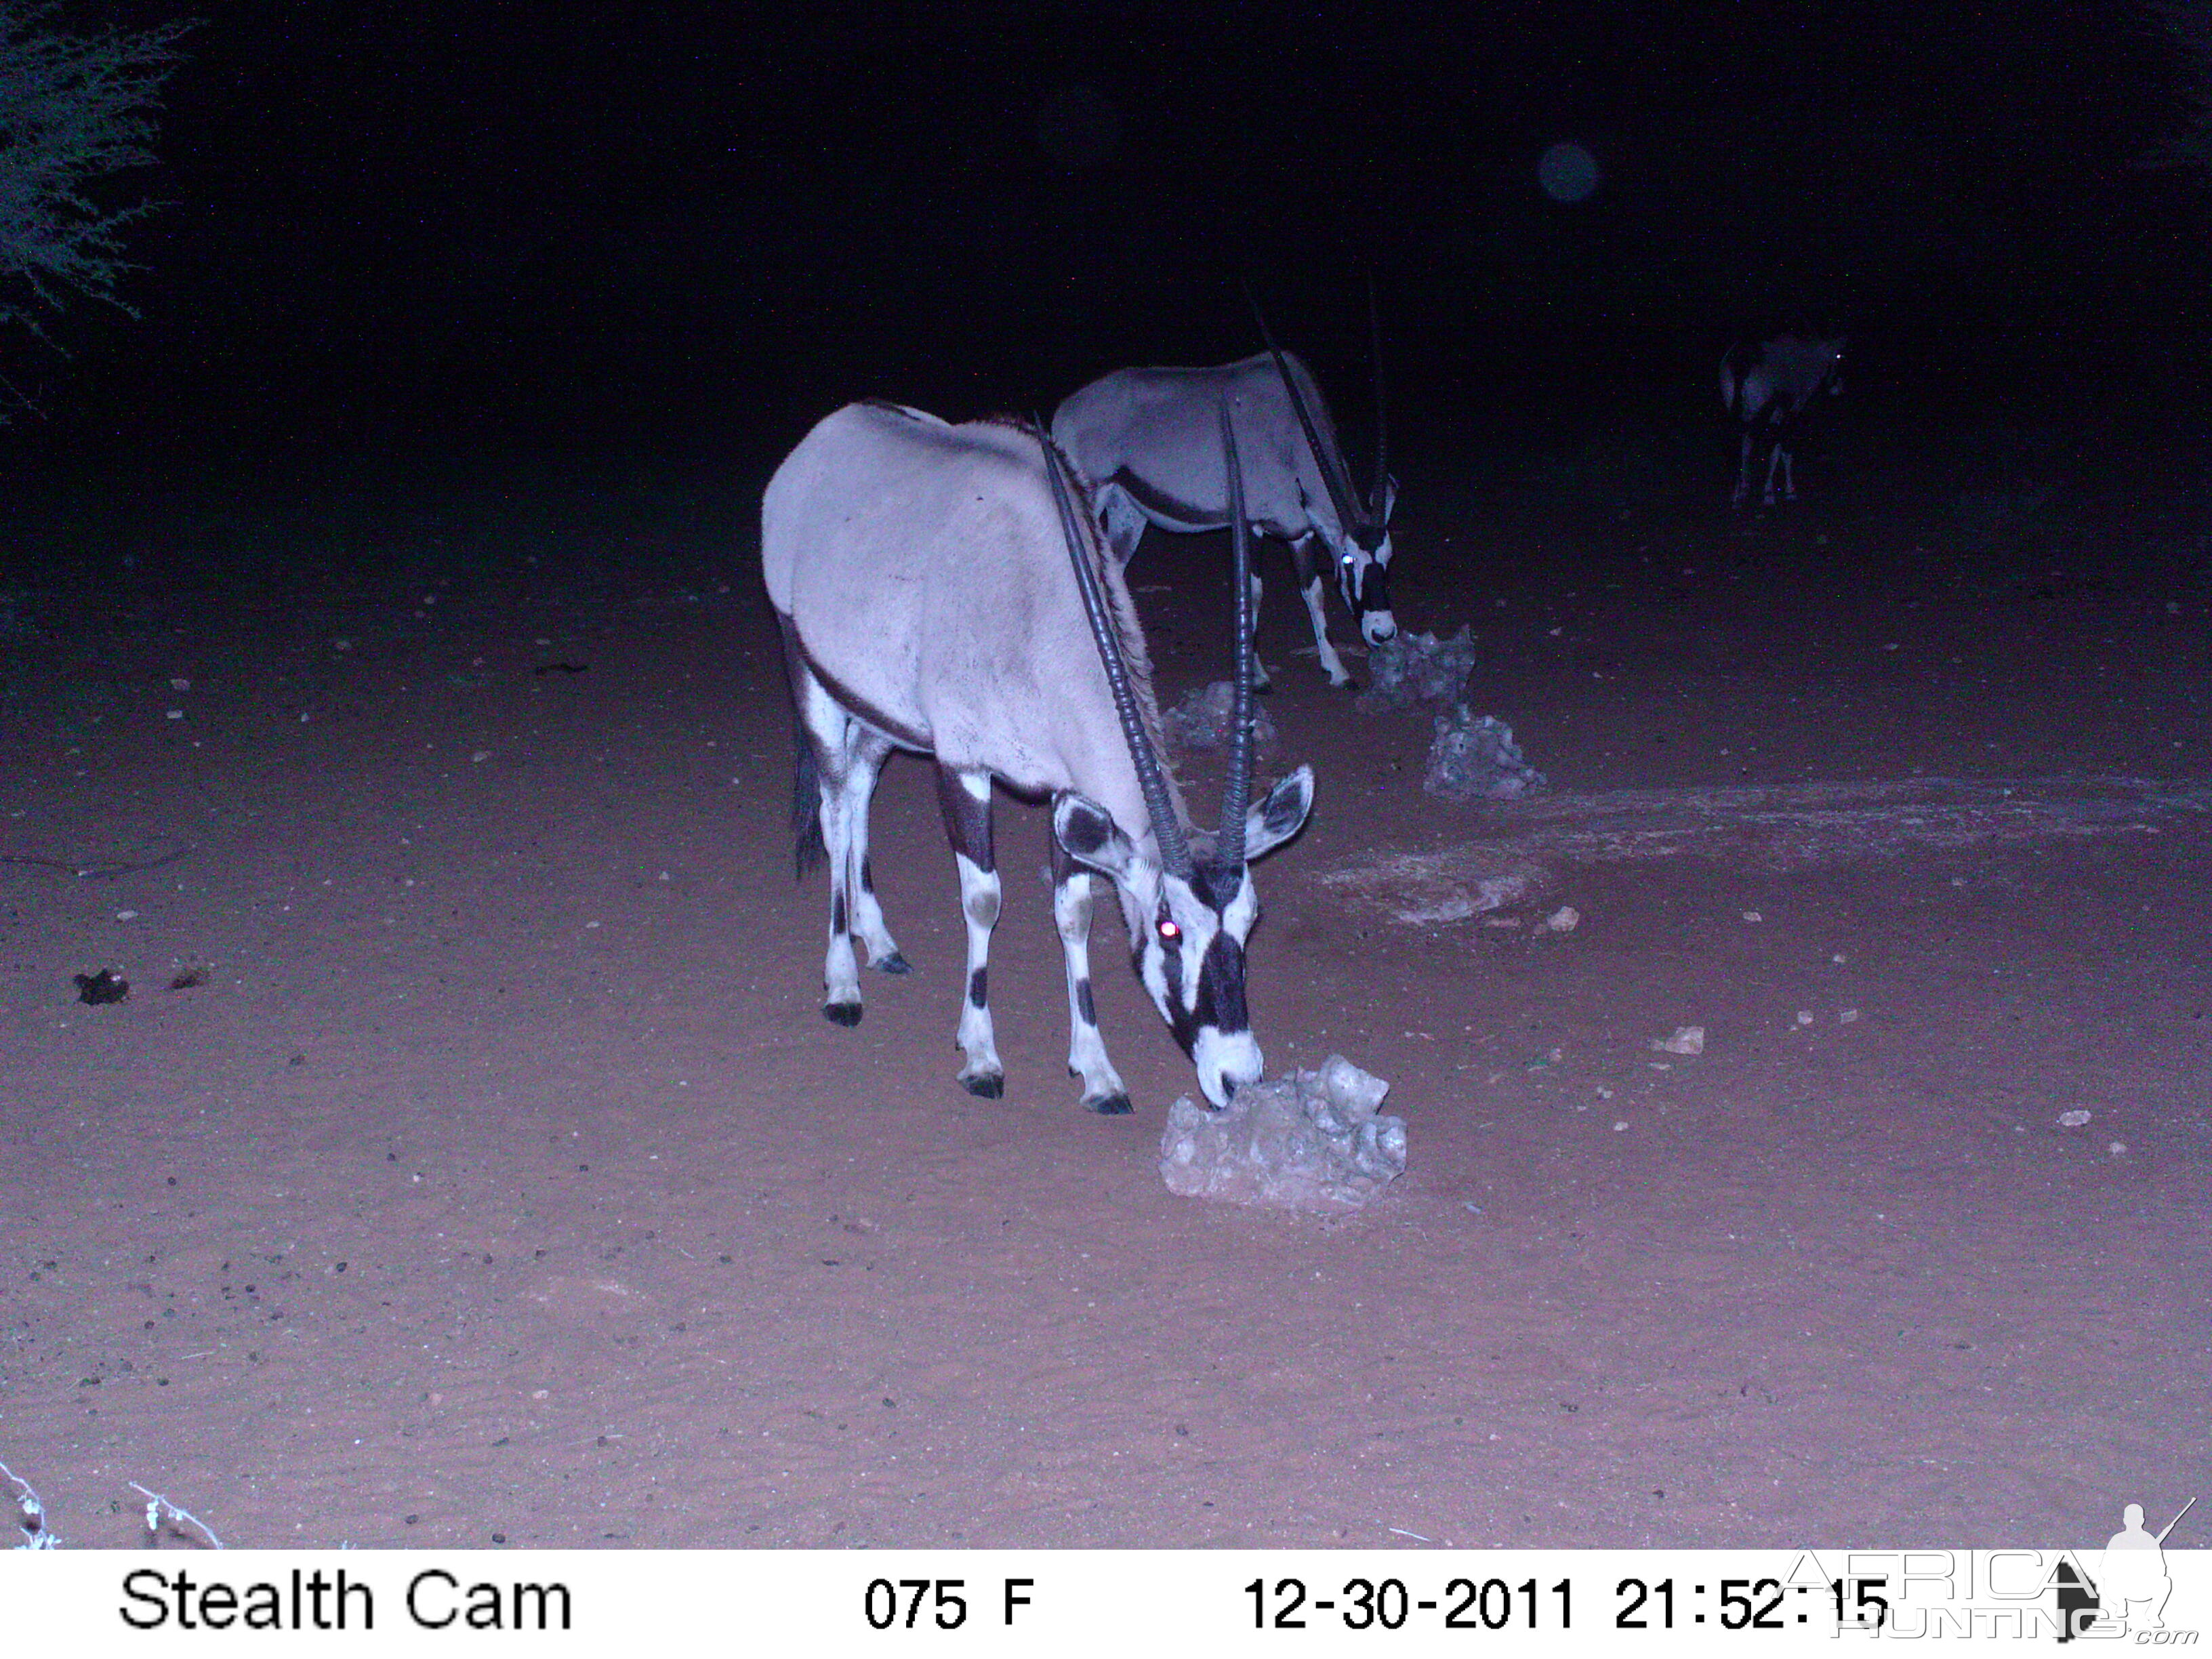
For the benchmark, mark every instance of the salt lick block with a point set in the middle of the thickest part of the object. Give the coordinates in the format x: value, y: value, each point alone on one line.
x: 1311, y: 1141
x: 1474, y: 758
x: 1204, y: 719
x: 1417, y: 668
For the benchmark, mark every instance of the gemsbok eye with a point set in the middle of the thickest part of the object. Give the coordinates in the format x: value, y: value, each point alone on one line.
x: 1169, y: 931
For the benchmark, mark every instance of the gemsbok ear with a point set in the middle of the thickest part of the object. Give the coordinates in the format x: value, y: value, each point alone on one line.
x: 1092, y: 838
x: 1282, y: 815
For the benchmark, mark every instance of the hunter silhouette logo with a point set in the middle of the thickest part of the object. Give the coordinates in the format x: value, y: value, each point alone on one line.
x: 2129, y: 1591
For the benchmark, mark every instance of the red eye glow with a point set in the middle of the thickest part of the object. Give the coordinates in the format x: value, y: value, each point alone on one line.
x: 1169, y: 930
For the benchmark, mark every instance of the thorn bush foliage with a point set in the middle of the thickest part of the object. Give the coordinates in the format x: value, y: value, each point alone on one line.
x: 75, y: 110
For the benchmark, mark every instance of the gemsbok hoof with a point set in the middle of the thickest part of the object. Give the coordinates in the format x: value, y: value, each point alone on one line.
x: 894, y: 963
x: 988, y: 1086
x: 842, y: 1013
x: 1111, y: 1106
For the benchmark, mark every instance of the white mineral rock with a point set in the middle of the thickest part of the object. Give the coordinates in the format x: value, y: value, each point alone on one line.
x: 1312, y: 1140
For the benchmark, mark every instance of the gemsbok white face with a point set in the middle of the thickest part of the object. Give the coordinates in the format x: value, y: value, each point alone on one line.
x: 945, y: 590
x: 1148, y: 441
x: 1187, y: 932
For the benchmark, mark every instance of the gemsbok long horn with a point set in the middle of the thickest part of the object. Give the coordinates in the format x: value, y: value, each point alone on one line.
x: 1167, y: 830
x: 1236, y: 793
x: 1350, y: 512
x: 1382, y: 496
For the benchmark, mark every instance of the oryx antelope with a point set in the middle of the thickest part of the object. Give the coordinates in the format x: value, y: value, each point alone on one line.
x: 1767, y: 388
x: 947, y: 590
x: 1149, y: 442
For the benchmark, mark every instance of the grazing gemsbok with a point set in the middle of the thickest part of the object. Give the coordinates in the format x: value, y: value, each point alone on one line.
x: 1766, y: 389
x: 1148, y: 441
x: 947, y: 590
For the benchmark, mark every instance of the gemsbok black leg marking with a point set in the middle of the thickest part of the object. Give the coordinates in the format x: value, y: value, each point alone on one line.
x: 1260, y: 682
x: 867, y: 752
x: 1306, y: 554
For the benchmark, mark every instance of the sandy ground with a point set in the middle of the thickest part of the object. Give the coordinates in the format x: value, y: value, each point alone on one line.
x: 500, y: 1182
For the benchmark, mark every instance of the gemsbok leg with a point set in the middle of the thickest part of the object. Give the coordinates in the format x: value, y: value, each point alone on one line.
x: 1788, y: 466
x: 846, y: 759
x: 1313, y: 585
x: 868, y: 752
x: 1103, y: 1091
x: 965, y: 798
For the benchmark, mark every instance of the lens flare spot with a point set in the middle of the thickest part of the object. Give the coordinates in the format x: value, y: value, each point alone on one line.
x: 1568, y: 173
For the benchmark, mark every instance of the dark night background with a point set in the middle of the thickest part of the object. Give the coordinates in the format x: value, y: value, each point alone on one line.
x: 689, y: 228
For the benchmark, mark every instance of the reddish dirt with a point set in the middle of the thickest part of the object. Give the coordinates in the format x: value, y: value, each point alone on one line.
x: 502, y: 1184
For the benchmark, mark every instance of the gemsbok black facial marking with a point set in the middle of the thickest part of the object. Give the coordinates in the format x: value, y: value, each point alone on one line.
x: 1221, y: 987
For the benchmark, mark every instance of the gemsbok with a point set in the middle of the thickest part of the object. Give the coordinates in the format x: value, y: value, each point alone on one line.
x: 947, y: 590
x: 1148, y: 441
x: 1767, y: 389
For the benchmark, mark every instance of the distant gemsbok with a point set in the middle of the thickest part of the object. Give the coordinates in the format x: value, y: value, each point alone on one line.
x: 1767, y: 389
x: 947, y: 590
x: 1148, y: 441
